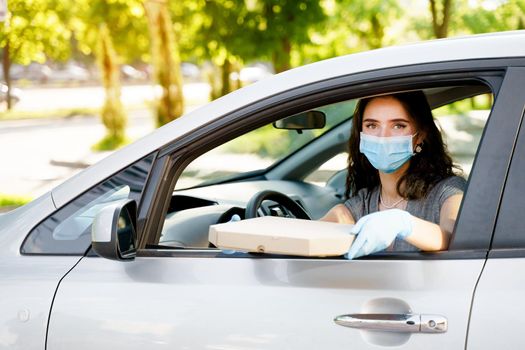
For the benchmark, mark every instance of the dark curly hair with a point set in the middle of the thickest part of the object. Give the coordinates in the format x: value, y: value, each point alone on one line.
x: 426, y: 168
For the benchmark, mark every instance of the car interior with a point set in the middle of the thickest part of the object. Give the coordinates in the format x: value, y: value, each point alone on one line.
x: 296, y: 166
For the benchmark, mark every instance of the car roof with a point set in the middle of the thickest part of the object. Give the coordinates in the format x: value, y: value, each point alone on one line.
x: 496, y: 45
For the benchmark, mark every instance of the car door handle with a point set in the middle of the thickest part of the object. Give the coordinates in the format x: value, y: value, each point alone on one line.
x: 405, y: 323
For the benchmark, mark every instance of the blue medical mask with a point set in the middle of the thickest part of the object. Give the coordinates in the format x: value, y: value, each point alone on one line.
x: 386, y: 154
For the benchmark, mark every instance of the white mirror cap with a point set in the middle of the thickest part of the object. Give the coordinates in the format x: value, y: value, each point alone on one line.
x: 105, y: 221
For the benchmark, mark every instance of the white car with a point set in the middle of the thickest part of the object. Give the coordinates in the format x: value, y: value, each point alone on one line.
x: 119, y: 255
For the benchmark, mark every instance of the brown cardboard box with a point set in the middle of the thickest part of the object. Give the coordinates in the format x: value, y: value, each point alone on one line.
x: 279, y: 235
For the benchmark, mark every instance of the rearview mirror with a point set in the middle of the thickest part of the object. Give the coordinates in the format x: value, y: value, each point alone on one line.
x: 302, y: 121
x: 113, y: 234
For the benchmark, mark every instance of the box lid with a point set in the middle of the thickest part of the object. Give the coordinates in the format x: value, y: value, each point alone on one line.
x: 278, y: 235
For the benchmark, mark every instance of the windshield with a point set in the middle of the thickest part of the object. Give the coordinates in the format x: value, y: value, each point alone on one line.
x: 257, y: 149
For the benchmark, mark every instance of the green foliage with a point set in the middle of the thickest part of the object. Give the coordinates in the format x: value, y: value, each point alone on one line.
x: 282, y: 26
x: 114, y: 118
x: 226, y: 31
x: 509, y: 15
x: 125, y: 21
x: 265, y: 142
x: 368, y: 19
x: 431, y: 26
x: 13, y: 201
x: 110, y: 143
x: 462, y: 107
x: 35, y: 30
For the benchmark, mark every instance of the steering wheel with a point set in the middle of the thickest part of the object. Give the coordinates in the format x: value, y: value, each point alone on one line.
x: 255, y: 202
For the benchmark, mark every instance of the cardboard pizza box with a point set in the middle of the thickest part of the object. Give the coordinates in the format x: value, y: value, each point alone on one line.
x: 278, y: 235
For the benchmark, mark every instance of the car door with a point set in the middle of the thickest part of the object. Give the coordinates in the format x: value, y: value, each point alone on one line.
x: 194, y: 299
x: 498, y: 303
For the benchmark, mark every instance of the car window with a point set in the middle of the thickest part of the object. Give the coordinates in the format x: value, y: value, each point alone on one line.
x: 461, y: 124
x: 68, y: 231
x: 257, y: 149
x: 460, y: 116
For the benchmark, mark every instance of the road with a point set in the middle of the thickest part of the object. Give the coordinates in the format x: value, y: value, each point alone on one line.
x: 42, y: 98
x: 37, y: 155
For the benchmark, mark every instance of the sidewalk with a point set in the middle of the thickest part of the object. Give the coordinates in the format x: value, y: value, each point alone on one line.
x: 37, y: 155
x: 40, y: 154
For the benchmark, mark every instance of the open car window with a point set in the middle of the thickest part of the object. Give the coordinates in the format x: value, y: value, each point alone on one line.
x: 202, y: 197
x: 461, y: 124
x: 258, y: 149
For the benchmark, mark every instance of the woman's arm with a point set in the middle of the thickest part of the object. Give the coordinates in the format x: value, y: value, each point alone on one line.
x: 428, y: 236
x: 339, y: 214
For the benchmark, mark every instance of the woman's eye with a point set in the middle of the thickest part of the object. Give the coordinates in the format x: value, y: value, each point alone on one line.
x: 399, y: 126
x: 370, y: 126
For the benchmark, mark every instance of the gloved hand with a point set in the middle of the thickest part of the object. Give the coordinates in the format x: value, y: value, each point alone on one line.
x: 376, y: 231
x: 234, y: 218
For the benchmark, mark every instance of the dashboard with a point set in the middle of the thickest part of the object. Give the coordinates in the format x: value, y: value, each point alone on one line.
x: 192, y: 211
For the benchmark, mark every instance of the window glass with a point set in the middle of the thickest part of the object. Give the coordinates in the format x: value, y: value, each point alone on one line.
x: 258, y: 149
x: 68, y: 231
x: 462, y: 124
x: 328, y: 169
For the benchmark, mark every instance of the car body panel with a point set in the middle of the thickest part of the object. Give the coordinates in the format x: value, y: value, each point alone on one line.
x: 498, y: 307
x: 189, y: 302
x: 22, y: 219
x: 498, y: 302
x: 477, y: 47
x: 26, y: 298
x: 27, y: 283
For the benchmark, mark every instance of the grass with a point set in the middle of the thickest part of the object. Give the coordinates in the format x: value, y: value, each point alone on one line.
x: 110, y: 143
x: 50, y: 113
x: 7, y: 200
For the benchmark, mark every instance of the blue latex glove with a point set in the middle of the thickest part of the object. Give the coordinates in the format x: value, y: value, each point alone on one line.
x: 234, y: 218
x: 376, y: 231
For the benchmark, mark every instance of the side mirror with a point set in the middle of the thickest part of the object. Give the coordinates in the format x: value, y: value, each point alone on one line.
x: 302, y: 121
x: 113, y: 234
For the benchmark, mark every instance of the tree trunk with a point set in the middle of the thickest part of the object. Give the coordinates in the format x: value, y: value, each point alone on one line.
x: 226, y: 70
x: 440, y: 25
x: 378, y: 30
x: 113, y: 116
x: 281, y: 58
x: 166, y: 62
x: 6, y: 66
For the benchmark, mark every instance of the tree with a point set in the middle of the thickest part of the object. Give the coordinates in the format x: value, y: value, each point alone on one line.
x: 441, y: 12
x: 282, y: 26
x: 226, y: 31
x: 368, y: 20
x: 33, y: 31
x: 509, y: 15
x: 113, y: 116
x: 166, y: 62
x: 125, y: 21
x: 111, y: 29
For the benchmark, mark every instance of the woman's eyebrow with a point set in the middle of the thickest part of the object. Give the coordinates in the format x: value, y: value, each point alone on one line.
x: 396, y: 120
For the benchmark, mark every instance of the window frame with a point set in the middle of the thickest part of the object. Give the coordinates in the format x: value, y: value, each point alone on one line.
x: 508, y: 240
x: 51, y: 222
x: 182, y: 152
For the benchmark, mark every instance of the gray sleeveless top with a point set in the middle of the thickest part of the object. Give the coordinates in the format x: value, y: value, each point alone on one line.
x: 428, y: 208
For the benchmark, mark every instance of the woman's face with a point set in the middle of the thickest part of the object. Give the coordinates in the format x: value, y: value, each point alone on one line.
x: 386, y: 117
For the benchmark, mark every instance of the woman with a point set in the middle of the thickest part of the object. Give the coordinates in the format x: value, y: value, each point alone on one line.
x: 404, y: 194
